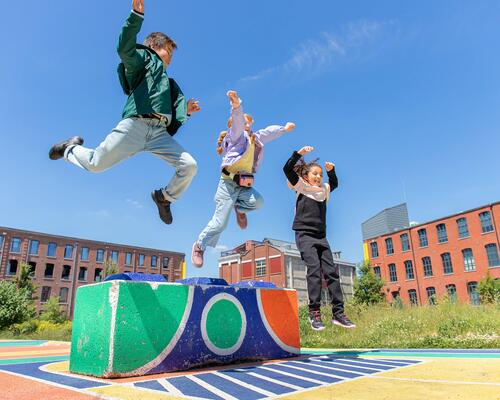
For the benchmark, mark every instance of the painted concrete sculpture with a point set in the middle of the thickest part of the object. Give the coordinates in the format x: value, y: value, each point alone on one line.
x: 131, y: 328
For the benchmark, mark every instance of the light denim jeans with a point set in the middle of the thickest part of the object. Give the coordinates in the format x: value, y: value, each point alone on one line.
x: 228, y: 195
x: 131, y: 136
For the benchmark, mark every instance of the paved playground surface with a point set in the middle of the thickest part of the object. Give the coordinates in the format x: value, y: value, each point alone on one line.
x: 38, y: 369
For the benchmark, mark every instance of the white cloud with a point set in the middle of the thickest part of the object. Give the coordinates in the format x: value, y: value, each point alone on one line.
x: 102, y: 213
x: 219, y: 248
x: 134, y: 203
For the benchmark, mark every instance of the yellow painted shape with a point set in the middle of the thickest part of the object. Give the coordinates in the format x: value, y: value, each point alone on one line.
x: 62, y: 366
x: 366, y: 255
x: 131, y: 393
x: 184, y: 269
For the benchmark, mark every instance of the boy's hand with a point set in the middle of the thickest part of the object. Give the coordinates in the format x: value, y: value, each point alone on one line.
x: 305, y: 149
x: 329, y: 166
x: 193, y: 106
x: 233, y: 98
x: 290, y: 126
x: 138, y: 5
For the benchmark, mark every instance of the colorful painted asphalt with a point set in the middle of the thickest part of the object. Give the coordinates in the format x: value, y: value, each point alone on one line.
x: 39, y: 369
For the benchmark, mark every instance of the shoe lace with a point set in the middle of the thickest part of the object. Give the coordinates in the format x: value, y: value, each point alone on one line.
x: 316, y: 316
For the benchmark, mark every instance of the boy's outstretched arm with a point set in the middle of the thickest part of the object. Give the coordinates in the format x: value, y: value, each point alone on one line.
x: 332, y: 176
x: 273, y: 132
x: 128, y: 38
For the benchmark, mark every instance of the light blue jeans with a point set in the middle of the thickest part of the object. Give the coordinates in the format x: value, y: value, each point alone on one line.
x: 228, y: 195
x: 131, y: 136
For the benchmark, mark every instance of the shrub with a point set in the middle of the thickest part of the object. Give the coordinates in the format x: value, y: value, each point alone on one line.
x: 15, y: 304
x: 489, y: 289
x: 368, y: 286
x: 52, y: 311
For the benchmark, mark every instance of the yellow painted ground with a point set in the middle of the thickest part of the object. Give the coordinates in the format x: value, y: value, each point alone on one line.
x: 130, y: 393
x: 436, y: 379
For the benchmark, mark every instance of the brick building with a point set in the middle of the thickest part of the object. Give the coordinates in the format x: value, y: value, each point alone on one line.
x: 278, y: 262
x: 450, y: 255
x: 61, y: 264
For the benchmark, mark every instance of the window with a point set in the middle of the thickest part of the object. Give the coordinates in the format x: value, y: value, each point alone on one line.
x: 12, y: 268
x: 486, y: 223
x: 463, y: 229
x: 32, y: 269
x: 412, y: 294
x: 492, y: 253
x: 34, y: 245
x: 260, y: 267
x: 473, y: 294
x: 422, y: 238
x: 49, y: 271
x: 431, y: 295
x: 1, y: 243
x: 66, y: 271
x: 389, y: 247
x: 447, y: 265
x: 51, y: 249
x: 128, y: 258
x: 15, y: 245
x: 63, y: 295
x: 469, y: 263
x: 141, y: 260
x: 426, y: 262
x: 441, y: 232
x: 114, y: 256
x: 452, y: 292
x: 409, y: 270
x: 405, y: 242
x: 98, y: 275
x: 68, y: 252
x: 99, y: 255
x: 84, y: 254
x: 45, y: 293
x: 376, y: 271
x: 374, y: 249
x: 154, y: 261
x: 82, y: 274
x: 165, y: 261
x: 393, y: 276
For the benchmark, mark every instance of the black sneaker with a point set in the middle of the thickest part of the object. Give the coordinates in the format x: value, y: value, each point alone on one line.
x: 315, y: 320
x: 163, y: 206
x: 57, y: 151
x: 343, y: 321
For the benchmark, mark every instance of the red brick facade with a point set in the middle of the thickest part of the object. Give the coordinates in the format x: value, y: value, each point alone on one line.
x: 55, y: 264
x: 456, y: 255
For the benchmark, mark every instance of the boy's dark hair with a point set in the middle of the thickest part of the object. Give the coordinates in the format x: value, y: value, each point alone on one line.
x: 302, y: 168
x: 158, y: 40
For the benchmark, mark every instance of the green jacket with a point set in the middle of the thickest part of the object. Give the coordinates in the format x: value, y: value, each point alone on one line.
x: 143, y: 78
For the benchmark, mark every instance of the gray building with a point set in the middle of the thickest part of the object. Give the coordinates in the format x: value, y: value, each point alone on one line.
x: 387, y: 221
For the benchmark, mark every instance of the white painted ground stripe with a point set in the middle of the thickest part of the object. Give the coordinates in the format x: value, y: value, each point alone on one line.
x: 294, y: 376
x: 322, y: 373
x: 170, y: 388
x: 336, y: 368
x: 245, y: 384
x: 211, y: 388
x: 272, y: 380
x: 352, y: 365
x: 437, y: 381
x: 393, y: 362
x: 375, y: 362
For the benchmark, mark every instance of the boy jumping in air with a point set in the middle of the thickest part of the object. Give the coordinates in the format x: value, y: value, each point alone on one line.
x: 154, y: 111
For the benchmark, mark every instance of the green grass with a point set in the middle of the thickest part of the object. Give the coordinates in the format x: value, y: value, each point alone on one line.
x: 38, y: 330
x: 382, y: 326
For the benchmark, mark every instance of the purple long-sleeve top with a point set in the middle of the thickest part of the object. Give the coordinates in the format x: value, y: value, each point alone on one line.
x: 237, y: 140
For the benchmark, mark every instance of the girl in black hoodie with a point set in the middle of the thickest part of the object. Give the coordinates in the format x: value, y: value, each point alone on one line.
x: 310, y: 234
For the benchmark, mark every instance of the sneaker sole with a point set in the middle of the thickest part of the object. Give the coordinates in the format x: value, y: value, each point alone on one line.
x: 192, y: 261
x: 168, y: 222
x: 334, y: 322
x: 316, y: 329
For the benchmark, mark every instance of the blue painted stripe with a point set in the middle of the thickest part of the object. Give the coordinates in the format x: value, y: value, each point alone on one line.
x: 287, y: 379
x: 34, y: 371
x: 17, y: 343
x: 457, y: 351
x: 311, y: 375
x: 354, y: 364
x: 349, y: 371
x: 258, y: 382
x: 396, y: 362
x: 190, y: 388
x: 238, y: 391
x: 153, y: 385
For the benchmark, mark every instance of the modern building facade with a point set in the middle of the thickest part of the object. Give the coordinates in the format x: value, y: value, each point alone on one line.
x: 60, y: 264
x: 278, y: 262
x: 447, y: 256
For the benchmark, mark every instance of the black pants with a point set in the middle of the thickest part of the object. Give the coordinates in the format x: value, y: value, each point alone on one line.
x: 316, y: 254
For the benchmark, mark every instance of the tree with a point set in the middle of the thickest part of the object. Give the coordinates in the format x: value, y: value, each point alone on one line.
x: 15, y: 304
x: 368, y: 286
x: 23, y: 281
x: 110, y: 268
x: 52, y: 311
x: 489, y: 289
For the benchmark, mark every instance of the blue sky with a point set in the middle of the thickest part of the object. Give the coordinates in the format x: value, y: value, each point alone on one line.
x: 402, y: 97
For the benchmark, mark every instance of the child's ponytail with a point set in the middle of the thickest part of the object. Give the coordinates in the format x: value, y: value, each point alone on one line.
x: 302, y: 168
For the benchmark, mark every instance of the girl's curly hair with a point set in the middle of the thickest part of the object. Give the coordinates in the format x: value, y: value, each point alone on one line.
x: 302, y: 168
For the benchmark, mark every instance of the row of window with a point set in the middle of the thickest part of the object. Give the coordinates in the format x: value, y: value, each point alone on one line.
x: 15, y: 247
x: 451, y: 290
x: 442, y: 234
x: 48, y: 272
x: 446, y: 263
